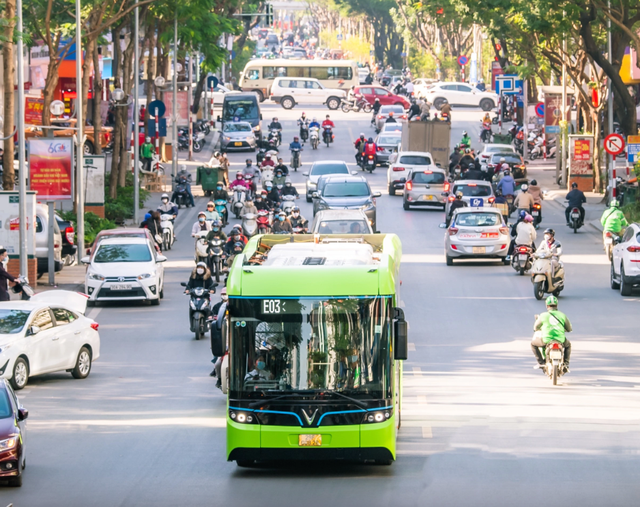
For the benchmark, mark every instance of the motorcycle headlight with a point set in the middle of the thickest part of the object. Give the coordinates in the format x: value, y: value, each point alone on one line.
x: 96, y: 276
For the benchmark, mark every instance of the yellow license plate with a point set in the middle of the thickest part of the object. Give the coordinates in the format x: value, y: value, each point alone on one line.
x: 479, y: 249
x: 427, y: 198
x: 310, y: 440
x: 237, y: 144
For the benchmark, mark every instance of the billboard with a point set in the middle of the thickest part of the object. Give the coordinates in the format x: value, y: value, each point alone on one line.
x: 33, y: 110
x: 51, y: 168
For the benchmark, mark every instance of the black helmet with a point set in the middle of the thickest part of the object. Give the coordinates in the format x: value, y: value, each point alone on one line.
x: 249, y: 162
x: 550, y: 231
x: 361, y: 136
x: 217, y: 223
x: 574, y: 185
x: 534, y: 182
x: 370, y: 140
x: 238, y: 246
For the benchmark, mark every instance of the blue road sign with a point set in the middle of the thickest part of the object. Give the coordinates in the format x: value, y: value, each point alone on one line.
x: 633, y: 152
x: 540, y: 109
x: 212, y: 82
x: 552, y: 129
x: 162, y: 127
x: 157, y: 107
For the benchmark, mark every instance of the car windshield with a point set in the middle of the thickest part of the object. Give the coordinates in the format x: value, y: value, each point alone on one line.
x: 241, y: 109
x: 320, y: 169
x: 343, y: 227
x: 415, y: 160
x: 496, y: 149
x: 237, y: 127
x: 5, y: 405
x: 341, y: 344
x: 394, y: 109
x: 510, y: 158
x: 350, y: 189
x: 428, y: 177
x: 393, y: 127
x: 123, y: 253
x: 473, y: 190
x: 389, y: 140
x: 12, y: 321
x: 478, y: 219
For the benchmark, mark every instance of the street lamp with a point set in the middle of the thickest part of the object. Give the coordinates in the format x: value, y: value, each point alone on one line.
x: 159, y: 81
x: 56, y: 108
x: 117, y: 94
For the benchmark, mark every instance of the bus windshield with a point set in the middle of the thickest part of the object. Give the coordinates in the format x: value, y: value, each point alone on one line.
x: 240, y: 109
x: 337, y: 344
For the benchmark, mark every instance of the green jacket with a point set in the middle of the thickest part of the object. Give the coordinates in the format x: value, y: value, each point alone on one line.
x: 553, y: 326
x: 466, y: 140
x: 148, y: 150
x: 613, y: 220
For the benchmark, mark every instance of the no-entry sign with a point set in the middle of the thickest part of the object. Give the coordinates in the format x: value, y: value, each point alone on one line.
x: 463, y: 60
x: 540, y: 109
x: 614, y: 144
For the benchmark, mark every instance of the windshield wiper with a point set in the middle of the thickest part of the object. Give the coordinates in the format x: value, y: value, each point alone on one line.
x: 301, y: 394
x: 260, y: 403
x: 353, y: 400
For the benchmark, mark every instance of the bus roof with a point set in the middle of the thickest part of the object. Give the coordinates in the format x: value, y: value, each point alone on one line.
x: 335, y: 265
x: 285, y: 62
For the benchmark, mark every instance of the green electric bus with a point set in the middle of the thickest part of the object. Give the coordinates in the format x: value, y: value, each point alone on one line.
x: 315, y: 342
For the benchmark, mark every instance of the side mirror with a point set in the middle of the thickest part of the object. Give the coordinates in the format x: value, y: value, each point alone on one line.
x: 315, y: 194
x: 23, y: 413
x: 445, y: 194
x: 184, y: 284
x: 217, y: 343
x: 377, y: 194
x: 86, y: 260
x: 305, y: 174
x: 161, y: 258
x: 400, y: 336
x: 34, y: 330
x: 442, y: 225
x: 354, y: 173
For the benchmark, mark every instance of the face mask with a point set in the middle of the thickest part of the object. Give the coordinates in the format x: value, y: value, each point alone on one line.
x: 200, y: 271
x: 219, y: 188
x: 201, y: 219
x: 216, y: 229
x: 281, y: 219
x: 165, y: 201
x: 279, y: 186
x: 269, y: 189
x: 296, y: 215
x: 547, y: 237
x: 354, y: 359
x: 261, y: 365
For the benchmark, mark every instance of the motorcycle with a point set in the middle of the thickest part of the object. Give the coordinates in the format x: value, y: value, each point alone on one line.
x: 288, y: 202
x: 295, y: 159
x: 155, y: 168
x: 360, y: 104
x: 368, y: 163
x: 264, y: 222
x: 182, y: 196
x: 267, y: 177
x: 544, y: 282
x: 275, y: 137
x: 327, y: 136
x: 197, y: 140
x: 575, y: 221
x: 202, y: 247
x: 521, y: 258
x: 216, y: 258
x: 249, y: 225
x: 553, y: 353
x: 314, y: 137
x: 536, y: 213
x: 203, y: 126
x: 166, y: 223
x: 304, y: 131
x: 221, y: 208
x: 610, y: 239
x: 486, y: 134
x: 199, y: 310
x: 239, y: 196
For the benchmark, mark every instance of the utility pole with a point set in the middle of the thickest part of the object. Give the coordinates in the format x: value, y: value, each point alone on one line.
x: 174, y: 107
x: 612, y: 159
x: 136, y: 118
x: 80, y: 117
x: 22, y: 185
x: 564, y: 134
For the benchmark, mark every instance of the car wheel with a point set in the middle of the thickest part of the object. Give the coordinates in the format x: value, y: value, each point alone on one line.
x: 449, y: 261
x: 405, y: 205
x: 333, y: 103
x: 88, y: 148
x: 155, y: 302
x: 20, y: 375
x: 309, y: 199
x: 260, y: 95
x: 438, y: 103
x: 162, y: 293
x: 83, y: 364
x: 625, y: 287
x: 287, y: 103
x: 392, y: 189
x: 614, y: 284
x: 487, y: 104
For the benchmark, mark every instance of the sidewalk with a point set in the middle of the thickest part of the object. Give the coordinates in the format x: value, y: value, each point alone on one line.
x: 70, y: 278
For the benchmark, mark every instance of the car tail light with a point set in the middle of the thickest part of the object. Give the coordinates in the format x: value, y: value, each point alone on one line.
x: 380, y: 148
x: 454, y: 247
x: 453, y: 231
x: 472, y: 184
x: 398, y: 168
x: 491, y: 199
x: 409, y: 185
x: 504, y: 230
x: 95, y: 326
x: 69, y: 233
x: 447, y: 186
x: 502, y: 247
x: 380, y: 117
x: 452, y: 198
x: 427, y: 172
x: 633, y: 248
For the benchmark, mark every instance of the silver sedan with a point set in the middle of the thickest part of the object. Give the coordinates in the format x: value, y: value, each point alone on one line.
x: 238, y: 136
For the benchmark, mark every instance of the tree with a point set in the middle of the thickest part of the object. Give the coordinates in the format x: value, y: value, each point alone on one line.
x: 9, y: 73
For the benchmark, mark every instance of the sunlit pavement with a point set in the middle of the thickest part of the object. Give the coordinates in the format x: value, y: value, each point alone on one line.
x: 479, y: 426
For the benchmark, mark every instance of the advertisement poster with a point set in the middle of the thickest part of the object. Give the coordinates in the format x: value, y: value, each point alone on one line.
x: 94, y: 171
x: 582, y: 149
x: 51, y: 168
x: 183, y: 107
x: 33, y: 110
x: 580, y: 155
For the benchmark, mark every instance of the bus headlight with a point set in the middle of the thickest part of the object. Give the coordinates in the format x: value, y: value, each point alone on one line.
x: 242, y: 417
x: 377, y: 416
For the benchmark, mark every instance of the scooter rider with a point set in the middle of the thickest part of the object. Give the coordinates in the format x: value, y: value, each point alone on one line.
x: 375, y: 109
x: 279, y: 178
x: 328, y: 123
x: 184, y: 174
x: 536, y: 192
x: 359, y: 145
x: 458, y: 203
x: 467, y: 159
x: 282, y: 167
x: 200, y: 277
x: 220, y: 192
x: 613, y: 219
x: 276, y: 125
x: 370, y: 148
x: 576, y: 199
x: 297, y: 220
x: 167, y: 207
x: 289, y: 189
x: 551, y: 246
x: 466, y: 140
x: 525, y: 235
x: 551, y: 326
x: 239, y: 182
x: 425, y: 110
x: 282, y: 224
x: 261, y: 201
x: 524, y: 200
x: 273, y: 196
x: 211, y: 215
x: 314, y: 123
x: 216, y: 231
x: 414, y: 110
x: 248, y: 207
x: 267, y: 161
x: 507, y: 185
x: 200, y: 225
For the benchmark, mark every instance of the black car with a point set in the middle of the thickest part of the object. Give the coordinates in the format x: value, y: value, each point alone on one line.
x: 69, y: 248
x: 13, y: 428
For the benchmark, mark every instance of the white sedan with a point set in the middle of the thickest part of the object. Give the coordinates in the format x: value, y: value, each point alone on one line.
x: 125, y: 269
x: 460, y: 94
x: 46, y: 334
x: 625, y: 262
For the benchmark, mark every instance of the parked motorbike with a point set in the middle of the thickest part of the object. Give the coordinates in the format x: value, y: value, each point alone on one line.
x: 249, y: 224
x: 521, y: 258
x: 553, y: 353
x: 166, y: 223
x: 202, y: 247
x: 544, y: 281
x: 295, y: 159
x: 239, y: 196
x: 199, y: 310
x: 327, y: 135
x: 355, y: 105
x: 203, y: 126
x: 314, y: 136
x: 197, y: 142
x: 216, y: 257
x: 264, y: 222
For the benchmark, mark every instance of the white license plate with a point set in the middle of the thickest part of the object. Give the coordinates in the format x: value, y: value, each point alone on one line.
x: 608, y: 241
x: 575, y: 215
x: 121, y: 286
x: 370, y: 162
x: 535, y: 213
x: 555, y: 354
x: 427, y: 198
x: 479, y: 249
x: 523, y: 257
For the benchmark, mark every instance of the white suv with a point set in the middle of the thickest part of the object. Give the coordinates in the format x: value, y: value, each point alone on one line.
x: 459, y: 94
x: 625, y: 263
x: 402, y: 163
x: 290, y: 91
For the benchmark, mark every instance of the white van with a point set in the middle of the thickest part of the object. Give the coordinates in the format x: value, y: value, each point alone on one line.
x: 289, y: 92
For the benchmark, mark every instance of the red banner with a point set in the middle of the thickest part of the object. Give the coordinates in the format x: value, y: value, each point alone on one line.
x: 33, y: 110
x: 50, y: 168
x: 182, y: 107
x: 582, y: 149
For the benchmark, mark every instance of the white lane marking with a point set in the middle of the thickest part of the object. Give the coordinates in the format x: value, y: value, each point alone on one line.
x: 189, y: 219
x: 426, y: 432
x: 417, y: 371
x: 412, y: 347
x: 201, y: 422
x: 422, y: 399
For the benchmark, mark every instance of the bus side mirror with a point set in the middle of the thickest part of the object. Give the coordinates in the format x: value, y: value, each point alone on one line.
x: 400, y: 336
x: 217, y: 348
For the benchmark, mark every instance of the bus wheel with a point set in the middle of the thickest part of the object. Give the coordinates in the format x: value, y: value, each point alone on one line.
x: 245, y: 463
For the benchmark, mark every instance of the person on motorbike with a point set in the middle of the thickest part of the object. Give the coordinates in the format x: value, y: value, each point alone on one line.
x: 279, y: 178
x: 289, y: 189
x: 282, y: 224
x: 467, y: 159
x: 486, y: 121
x: 236, y: 249
x: 221, y: 194
x: 261, y: 201
x: 147, y: 151
x: 297, y: 220
x: 466, y: 140
x: 248, y: 208
x: 390, y: 118
x: 524, y: 199
x: 473, y: 173
x: 328, y: 126
x: 445, y: 112
x: 375, y: 109
x: 370, y: 148
x: 507, y: 185
x: 295, y: 145
x: 552, y: 247
x: 551, y: 326
x: 211, y: 215
x: 359, y: 145
x: 273, y: 196
x: 200, y: 277
x: 457, y: 203
x: 282, y: 167
x: 200, y: 225
x: 414, y: 110
x: 408, y: 87
x: 576, y: 199
x: 525, y: 234
x: 239, y: 182
x: 216, y: 232
x: 275, y: 124
x: 613, y: 220
x: 314, y: 124
x: 167, y: 207
x: 236, y: 235
x: 455, y: 158
x: 267, y: 161
x: 425, y: 110
x: 351, y: 95
x: 536, y: 192
x: 183, y: 176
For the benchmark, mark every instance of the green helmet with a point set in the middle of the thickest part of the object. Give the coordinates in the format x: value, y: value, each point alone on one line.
x: 552, y: 301
x: 614, y: 203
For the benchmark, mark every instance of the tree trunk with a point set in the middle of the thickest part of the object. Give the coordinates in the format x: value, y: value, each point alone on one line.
x: 9, y: 71
x: 119, y: 130
x: 127, y: 85
x: 97, y: 101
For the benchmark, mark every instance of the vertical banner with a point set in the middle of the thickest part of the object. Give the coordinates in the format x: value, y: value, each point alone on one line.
x: 51, y: 168
x: 33, y: 110
x: 182, y: 107
x: 581, y: 161
x: 10, y: 223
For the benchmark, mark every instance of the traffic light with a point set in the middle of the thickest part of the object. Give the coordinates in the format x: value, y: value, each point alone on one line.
x: 269, y: 14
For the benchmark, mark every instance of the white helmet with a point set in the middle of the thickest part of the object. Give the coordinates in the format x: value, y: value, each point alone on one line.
x: 524, y: 187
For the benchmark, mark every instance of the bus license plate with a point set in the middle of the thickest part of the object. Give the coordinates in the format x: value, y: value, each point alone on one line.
x: 309, y: 440
x: 479, y: 249
x: 237, y: 143
x: 120, y: 286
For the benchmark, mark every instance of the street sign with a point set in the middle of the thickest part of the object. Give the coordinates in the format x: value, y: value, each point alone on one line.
x: 633, y: 149
x: 552, y: 129
x: 162, y: 128
x: 339, y: 36
x: 212, y: 82
x: 508, y: 84
x: 157, y: 105
x: 463, y: 60
x: 614, y: 144
x: 540, y: 109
